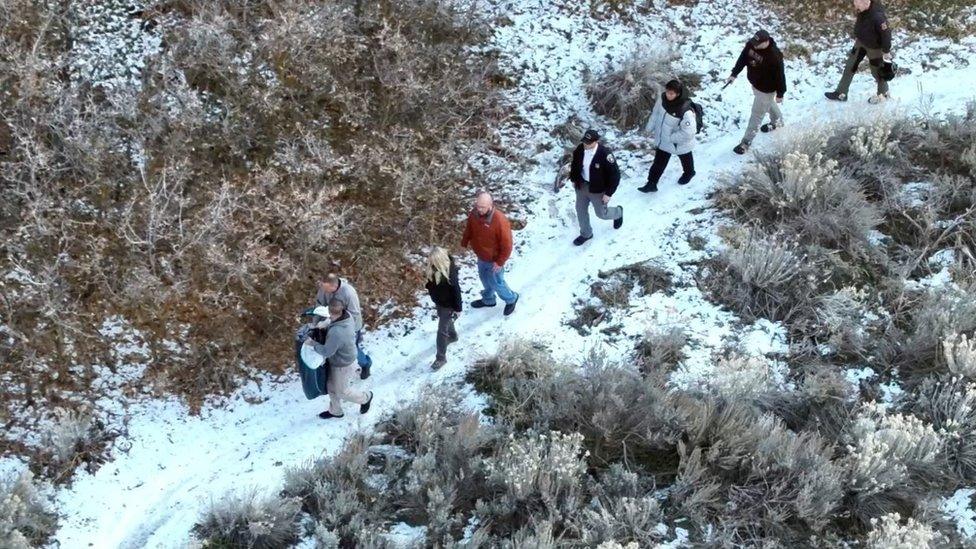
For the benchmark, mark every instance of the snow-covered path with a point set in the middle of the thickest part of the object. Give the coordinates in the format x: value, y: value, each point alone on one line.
x: 152, y: 495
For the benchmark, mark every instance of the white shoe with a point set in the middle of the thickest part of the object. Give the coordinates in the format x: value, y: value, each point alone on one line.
x: 880, y: 98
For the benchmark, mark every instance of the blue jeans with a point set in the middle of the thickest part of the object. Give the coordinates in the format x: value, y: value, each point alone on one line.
x: 494, y: 283
x: 361, y: 357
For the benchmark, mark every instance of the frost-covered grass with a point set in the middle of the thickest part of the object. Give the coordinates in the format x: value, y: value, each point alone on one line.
x: 26, y: 517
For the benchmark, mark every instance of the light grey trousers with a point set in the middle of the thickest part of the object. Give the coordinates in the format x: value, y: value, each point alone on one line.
x: 340, y: 388
x: 583, y: 200
x: 762, y: 104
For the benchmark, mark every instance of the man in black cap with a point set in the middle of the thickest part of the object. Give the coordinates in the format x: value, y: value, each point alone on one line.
x: 595, y: 176
x: 872, y: 39
x: 764, y: 68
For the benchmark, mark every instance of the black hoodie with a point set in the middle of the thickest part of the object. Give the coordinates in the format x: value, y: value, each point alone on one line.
x: 765, y: 68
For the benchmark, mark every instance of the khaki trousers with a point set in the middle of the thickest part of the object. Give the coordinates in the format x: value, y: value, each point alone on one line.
x: 763, y: 104
x: 340, y: 388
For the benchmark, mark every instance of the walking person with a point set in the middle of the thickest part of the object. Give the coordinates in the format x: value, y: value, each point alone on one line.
x: 767, y: 75
x: 672, y: 128
x: 333, y: 287
x: 489, y: 234
x: 872, y: 39
x: 595, y: 176
x: 339, y: 351
x: 445, y: 292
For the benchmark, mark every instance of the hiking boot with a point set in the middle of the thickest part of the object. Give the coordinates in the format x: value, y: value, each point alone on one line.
x: 741, y: 148
x: 328, y: 415
x: 685, y: 178
x: 580, y: 240
x: 479, y: 304
x: 836, y: 96
x: 617, y: 223
x: 648, y: 188
x: 510, y: 307
x: 364, y: 371
x: 880, y: 98
x: 766, y: 128
x: 363, y: 408
x: 438, y: 364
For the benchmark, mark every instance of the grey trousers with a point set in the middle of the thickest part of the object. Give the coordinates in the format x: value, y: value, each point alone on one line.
x: 583, y: 200
x: 854, y: 59
x: 340, y: 388
x: 446, y: 334
x: 764, y: 103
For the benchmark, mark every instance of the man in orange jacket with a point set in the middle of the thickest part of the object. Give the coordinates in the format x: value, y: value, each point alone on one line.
x: 490, y: 236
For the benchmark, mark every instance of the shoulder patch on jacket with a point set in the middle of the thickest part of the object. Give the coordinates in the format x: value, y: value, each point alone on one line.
x: 884, y: 25
x: 610, y: 158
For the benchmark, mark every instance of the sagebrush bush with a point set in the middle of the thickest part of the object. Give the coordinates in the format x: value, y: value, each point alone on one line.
x: 661, y: 349
x: 950, y: 406
x: 26, y: 517
x: 250, y: 521
x: 888, y: 532
x: 627, y: 94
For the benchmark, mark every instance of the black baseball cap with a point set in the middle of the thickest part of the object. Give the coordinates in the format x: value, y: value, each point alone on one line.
x: 760, y: 37
x: 590, y: 136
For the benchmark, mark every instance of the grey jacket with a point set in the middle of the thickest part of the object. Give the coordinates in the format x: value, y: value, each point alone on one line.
x: 670, y: 134
x: 340, y: 343
x: 348, y: 296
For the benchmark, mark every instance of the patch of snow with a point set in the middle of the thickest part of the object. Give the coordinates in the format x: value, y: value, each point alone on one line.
x: 959, y: 508
x: 404, y: 535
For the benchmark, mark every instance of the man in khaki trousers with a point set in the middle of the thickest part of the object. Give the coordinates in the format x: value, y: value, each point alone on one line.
x: 764, y: 63
x: 339, y: 351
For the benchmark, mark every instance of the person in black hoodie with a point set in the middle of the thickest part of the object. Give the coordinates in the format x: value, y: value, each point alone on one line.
x: 445, y: 292
x: 595, y: 176
x: 872, y: 38
x: 768, y: 78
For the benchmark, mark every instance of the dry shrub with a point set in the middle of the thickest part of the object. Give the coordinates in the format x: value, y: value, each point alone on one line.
x: 268, y: 142
x: 627, y: 94
x: 250, y: 521
x: 950, y: 406
x: 661, y: 349
x: 26, y: 517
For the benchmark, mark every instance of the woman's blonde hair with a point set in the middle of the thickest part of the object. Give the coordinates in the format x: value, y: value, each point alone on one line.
x: 438, y: 265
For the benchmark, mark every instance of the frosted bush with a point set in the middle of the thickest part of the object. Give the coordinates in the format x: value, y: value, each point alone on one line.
x: 627, y: 94
x: 951, y: 407
x: 764, y: 263
x: 889, y: 533
x: 633, y: 520
x: 741, y: 376
x: 873, y: 139
x: 547, y: 465
x: 848, y: 318
x: 26, y: 519
x: 960, y: 355
x: 70, y: 432
x: 887, y: 447
x: 250, y: 521
x: 803, y: 177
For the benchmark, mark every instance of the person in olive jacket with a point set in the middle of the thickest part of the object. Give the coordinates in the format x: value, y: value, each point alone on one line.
x: 445, y: 292
x: 872, y: 38
x: 595, y: 176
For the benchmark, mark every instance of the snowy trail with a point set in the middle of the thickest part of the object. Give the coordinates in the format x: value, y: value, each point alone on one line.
x: 152, y: 495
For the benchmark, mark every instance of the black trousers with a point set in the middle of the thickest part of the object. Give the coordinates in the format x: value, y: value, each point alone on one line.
x: 661, y: 160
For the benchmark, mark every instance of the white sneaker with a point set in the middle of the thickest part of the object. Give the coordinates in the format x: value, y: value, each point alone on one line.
x: 880, y: 98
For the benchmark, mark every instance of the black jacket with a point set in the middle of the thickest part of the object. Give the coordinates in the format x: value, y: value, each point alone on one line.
x: 871, y: 28
x: 446, y: 293
x: 765, y: 68
x: 604, y: 173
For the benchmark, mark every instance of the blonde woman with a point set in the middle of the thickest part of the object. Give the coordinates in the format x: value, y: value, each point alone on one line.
x: 445, y: 292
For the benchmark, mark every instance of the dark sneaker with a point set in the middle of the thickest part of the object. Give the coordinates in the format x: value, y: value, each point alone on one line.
x: 648, y: 188
x: 365, y: 407
x: 510, y: 307
x: 479, y: 304
x: 364, y: 371
x: 328, y: 415
x: 438, y: 364
x: 617, y: 223
x: 741, y: 148
x: 579, y: 240
x: 766, y: 128
x: 836, y: 96
x: 685, y: 178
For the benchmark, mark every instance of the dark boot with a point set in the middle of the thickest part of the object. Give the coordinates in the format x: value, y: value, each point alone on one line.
x: 438, y: 363
x: 510, y: 307
x: 481, y: 304
x: 364, y: 371
x: 741, y: 148
x: 836, y: 96
x: 685, y: 178
x: 363, y: 408
x: 648, y: 188
x: 766, y: 128
x: 328, y: 415
x: 617, y: 223
x: 580, y: 240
